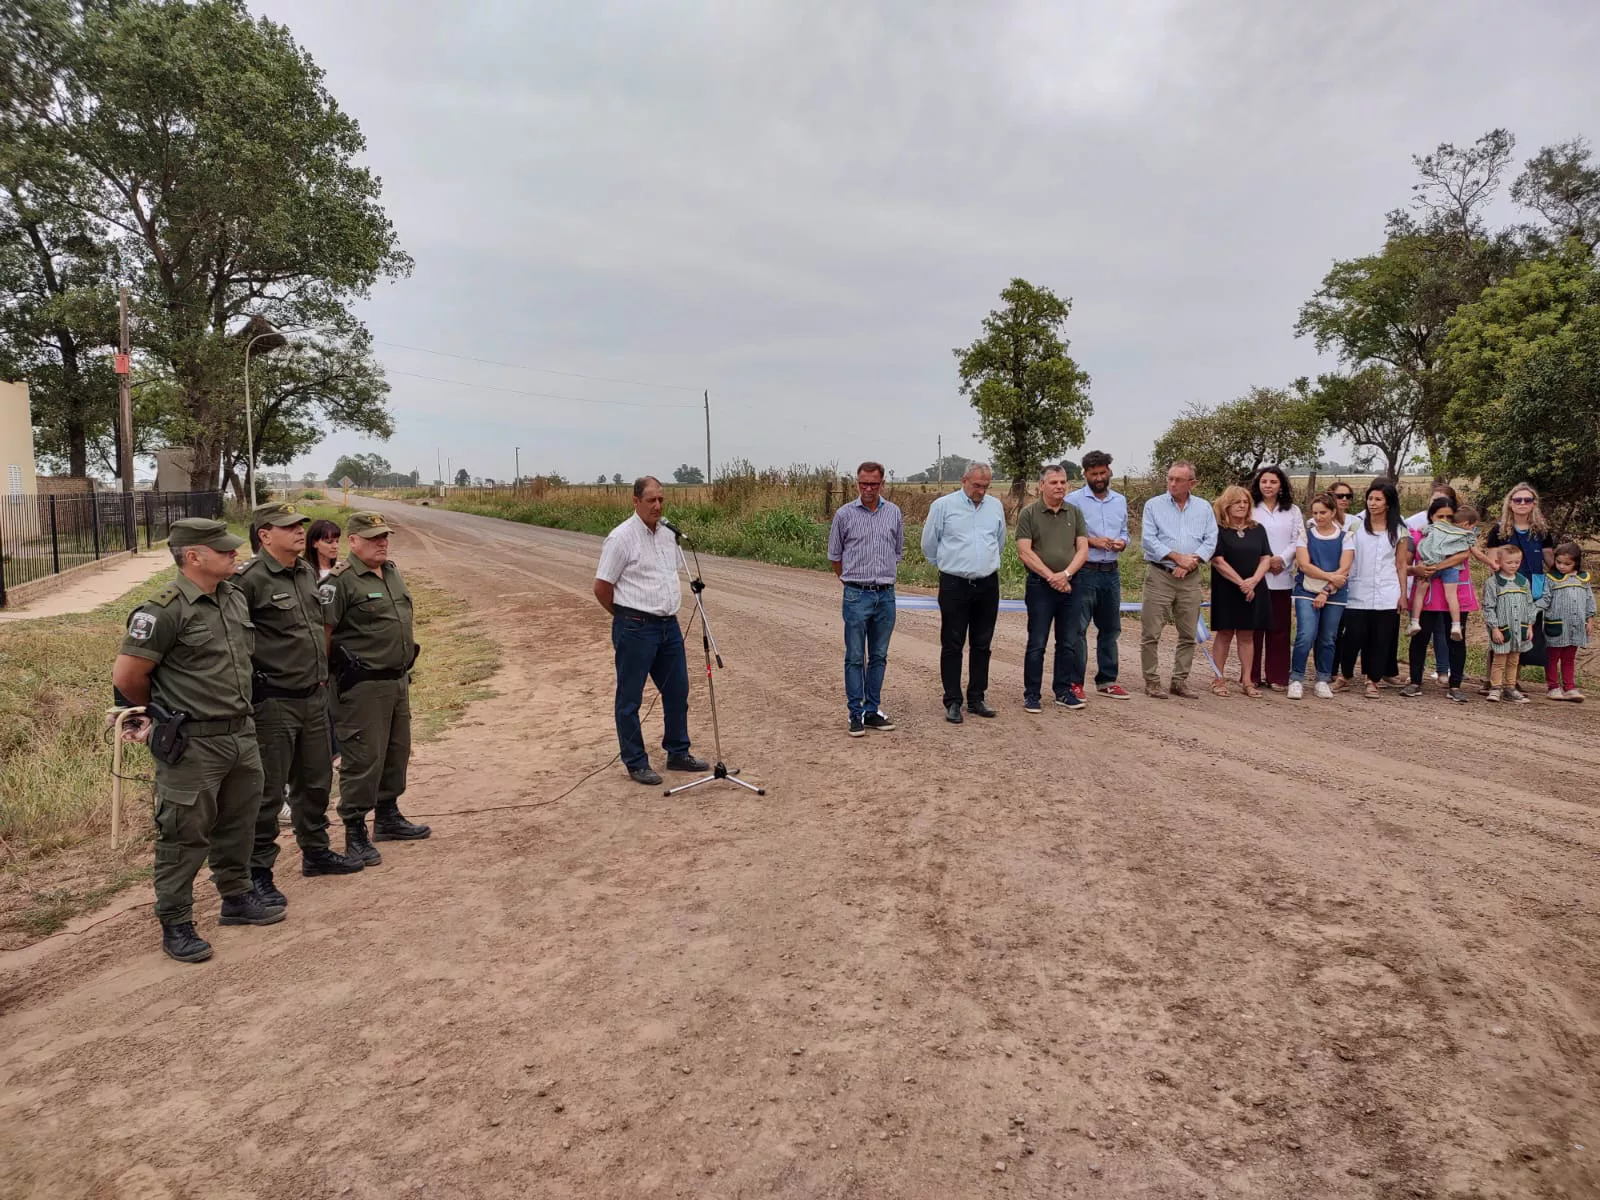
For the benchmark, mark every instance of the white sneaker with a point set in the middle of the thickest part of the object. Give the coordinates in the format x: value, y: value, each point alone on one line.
x: 1555, y: 694
x: 1322, y: 691
x: 1494, y: 696
x: 1415, y: 628
x: 1296, y: 689
x: 1574, y: 695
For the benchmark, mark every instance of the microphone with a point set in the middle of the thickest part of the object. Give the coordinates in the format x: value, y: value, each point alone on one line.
x: 676, y: 532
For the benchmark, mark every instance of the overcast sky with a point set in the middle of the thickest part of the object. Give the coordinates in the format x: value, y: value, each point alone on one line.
x: 804, y: 206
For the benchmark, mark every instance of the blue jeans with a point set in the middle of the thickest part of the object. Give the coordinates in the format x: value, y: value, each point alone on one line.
x: 868, y: 622
x: 1099, y: 600
x: 1314, y: 626
x: 653, y: 647
x: 1047, y: 609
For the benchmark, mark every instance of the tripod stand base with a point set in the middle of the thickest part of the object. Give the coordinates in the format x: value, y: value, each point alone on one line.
x: 718, y: 772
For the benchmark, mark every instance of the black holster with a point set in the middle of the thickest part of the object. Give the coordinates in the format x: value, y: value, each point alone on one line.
x: 168, y: 738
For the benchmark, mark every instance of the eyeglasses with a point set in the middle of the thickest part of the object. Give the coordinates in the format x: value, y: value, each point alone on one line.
x: 860, y: 484
x: 1522, y: 499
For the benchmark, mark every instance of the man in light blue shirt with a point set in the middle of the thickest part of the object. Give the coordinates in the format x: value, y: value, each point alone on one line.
x: 1105, y: 515
x: 1178, y: 533
x: 962, y: 537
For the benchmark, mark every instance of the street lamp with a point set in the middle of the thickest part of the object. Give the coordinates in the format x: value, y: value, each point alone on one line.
x: 274, y: 340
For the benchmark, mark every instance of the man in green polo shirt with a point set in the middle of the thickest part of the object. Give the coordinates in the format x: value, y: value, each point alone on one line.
x: 291, y: 697
x: 187, y: 652
x: 1053, y: 542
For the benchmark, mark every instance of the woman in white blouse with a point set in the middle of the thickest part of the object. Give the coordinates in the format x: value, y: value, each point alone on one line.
x: 1277, y: 513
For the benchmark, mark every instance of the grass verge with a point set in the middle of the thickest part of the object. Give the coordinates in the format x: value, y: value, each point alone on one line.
x: 55, y: 756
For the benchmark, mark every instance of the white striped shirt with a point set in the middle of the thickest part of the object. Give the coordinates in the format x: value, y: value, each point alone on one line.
x: 643, y: 568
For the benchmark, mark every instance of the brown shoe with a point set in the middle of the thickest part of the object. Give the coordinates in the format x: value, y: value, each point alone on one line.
x: 1179, y: 688
x: 1340, y: 684
x: 1155, y: 691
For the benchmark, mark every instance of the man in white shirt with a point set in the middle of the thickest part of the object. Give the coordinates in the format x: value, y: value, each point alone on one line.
x: 637, y: 583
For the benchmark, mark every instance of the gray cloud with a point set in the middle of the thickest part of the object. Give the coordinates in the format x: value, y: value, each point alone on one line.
x: 804, y: 207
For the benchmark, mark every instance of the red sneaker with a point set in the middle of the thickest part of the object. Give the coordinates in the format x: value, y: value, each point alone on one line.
x: 1115, y: 690
x: 1077, y: 690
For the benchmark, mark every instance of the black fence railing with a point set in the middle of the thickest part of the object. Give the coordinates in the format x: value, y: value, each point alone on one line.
x: 45, y: 535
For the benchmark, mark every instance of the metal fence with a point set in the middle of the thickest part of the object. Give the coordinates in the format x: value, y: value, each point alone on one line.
x: 45, y: 535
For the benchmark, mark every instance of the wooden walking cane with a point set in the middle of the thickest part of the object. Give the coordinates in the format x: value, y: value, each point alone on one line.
x: 120, y: 716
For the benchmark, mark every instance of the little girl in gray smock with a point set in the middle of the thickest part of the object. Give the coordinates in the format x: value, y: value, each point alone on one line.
x: 1567, y: 603
x: 1508, y: 606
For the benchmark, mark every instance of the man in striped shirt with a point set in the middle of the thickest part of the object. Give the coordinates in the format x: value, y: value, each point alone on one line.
x: 865, y: 547
x: 637, y: 583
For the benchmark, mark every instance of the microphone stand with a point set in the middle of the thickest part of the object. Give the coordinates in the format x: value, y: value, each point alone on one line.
x: 697, y: 586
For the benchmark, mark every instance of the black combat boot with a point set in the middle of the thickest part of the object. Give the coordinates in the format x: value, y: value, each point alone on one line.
x: 247, y: 908
x: 183, y: 943
x: 389, y: 826
x: 358, y: 846
x: 261, y: 877
x: 328, y: 862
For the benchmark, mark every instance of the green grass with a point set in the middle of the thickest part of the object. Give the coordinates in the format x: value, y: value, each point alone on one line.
x: 783, y: 535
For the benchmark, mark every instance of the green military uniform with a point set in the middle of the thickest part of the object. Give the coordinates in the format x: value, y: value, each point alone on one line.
x: 369, y: 612
x: 291, y: 694
x: 206, y: 804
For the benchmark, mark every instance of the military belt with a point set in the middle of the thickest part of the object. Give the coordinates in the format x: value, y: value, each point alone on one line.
x: 268, y: 691
x: 218, y: 728
x: 362, y: 675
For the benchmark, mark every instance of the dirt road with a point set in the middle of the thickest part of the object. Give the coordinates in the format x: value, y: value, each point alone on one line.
x: 1222, y: 948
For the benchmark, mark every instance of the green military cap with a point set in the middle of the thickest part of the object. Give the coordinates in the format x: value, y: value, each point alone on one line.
x: 278, y: 513
x: 198, y: 531
x: 366, y: 525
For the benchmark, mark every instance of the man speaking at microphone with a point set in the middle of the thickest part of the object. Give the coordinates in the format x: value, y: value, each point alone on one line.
x: 637, y: 583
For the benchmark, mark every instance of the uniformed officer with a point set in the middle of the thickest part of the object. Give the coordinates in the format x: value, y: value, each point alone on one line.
x: 367, y: 610
x: 187, y: 650
x: 291, y: 697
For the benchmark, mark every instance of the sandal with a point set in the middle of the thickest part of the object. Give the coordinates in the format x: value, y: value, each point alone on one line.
x: 1372, y: 692
x: 1253, y: 692
x: 1219, y: 687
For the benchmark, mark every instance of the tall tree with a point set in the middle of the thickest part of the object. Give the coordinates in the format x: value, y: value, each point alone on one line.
x: 1562, y: 185
x: 1547, y: 430
x: 1228, y: 443
x: 206, y: 144
x: 1032, y: 398
x: 1486, y: 342
x: 1376, y: 409
x: 1392, y: 307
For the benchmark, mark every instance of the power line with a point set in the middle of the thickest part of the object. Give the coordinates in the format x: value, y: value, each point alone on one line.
x: 676, y: 387
x: 489, y: 387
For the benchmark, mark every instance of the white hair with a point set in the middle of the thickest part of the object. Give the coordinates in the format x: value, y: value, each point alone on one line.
x: 973, y: 468
x: 1051, y: 469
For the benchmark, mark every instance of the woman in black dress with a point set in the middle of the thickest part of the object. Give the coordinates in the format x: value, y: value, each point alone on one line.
x: 1239, y: 599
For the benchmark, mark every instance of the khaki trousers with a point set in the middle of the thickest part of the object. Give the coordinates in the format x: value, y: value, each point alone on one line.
x: 1504, y: 669
x: 1169, y: 601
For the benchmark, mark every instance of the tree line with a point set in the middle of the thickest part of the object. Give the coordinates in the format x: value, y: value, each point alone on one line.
x: 1465, y: 350
x: 193, y: 152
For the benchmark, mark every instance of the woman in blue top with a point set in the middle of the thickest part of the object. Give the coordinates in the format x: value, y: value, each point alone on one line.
x: 1320, y: 591
x: 1522, y: 524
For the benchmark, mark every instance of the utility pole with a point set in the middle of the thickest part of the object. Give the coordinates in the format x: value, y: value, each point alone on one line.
x: 517, y: 479
x: 124, y: 398
x: 941, y: 458
x: 125, y: 418
x: 438, y: 463
x: 708, y: 435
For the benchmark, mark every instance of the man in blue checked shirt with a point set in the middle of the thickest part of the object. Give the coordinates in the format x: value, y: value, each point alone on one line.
x: 1178, y: 534
x: 962, y: 537
x: 865, y: 547
x: 1105, y: 515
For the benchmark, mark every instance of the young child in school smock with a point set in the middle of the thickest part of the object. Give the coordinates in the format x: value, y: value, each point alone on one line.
x: 1508, y: 610
x: 1568, y: 607
x: 1442, y: 540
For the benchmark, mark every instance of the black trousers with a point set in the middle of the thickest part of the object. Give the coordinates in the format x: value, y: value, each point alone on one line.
x: 1421, y: 641
x: 1375, y: 636
x: 968, y: 610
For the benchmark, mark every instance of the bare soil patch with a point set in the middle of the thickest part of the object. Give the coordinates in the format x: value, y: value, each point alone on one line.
x: 1221, y: 948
